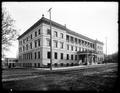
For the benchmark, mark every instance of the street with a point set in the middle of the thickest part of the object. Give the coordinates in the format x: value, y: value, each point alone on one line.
x: 96, y: 78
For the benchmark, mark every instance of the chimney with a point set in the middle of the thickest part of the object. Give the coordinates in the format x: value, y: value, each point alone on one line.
x: 65, y: 25
x: 42, y: 15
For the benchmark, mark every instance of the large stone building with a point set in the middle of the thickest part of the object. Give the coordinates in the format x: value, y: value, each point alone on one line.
x: 69, y: 47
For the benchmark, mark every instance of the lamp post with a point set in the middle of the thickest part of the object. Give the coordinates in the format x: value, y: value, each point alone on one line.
x: 50, y: 40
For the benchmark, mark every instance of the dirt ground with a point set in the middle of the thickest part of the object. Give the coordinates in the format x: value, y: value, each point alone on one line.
x: 99, y: 79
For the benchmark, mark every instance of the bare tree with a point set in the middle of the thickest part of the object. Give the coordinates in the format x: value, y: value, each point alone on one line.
x: 9, y: 33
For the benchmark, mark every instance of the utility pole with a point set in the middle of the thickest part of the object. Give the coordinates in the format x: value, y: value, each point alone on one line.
x: 50, y: 40
x: 106, y: 47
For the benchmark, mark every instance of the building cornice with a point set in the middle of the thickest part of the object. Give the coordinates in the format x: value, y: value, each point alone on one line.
x: 47, y: 21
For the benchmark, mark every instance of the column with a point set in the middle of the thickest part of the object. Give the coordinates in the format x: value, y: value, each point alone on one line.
x: 87, y: 59
x: 96, y: 59
x: 92, y: 60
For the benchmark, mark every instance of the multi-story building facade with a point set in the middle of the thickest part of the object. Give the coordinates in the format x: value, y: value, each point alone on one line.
x: 9, y: 62
x: 68, y: 47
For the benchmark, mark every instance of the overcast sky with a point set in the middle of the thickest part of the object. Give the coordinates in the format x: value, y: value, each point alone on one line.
x: 96, y: 20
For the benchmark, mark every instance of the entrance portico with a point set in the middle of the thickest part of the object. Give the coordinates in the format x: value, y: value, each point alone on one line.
x: 87, y: 57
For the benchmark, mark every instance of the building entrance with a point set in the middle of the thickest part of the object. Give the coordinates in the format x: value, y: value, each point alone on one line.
x: 81, y: 59
x: 87, y: 58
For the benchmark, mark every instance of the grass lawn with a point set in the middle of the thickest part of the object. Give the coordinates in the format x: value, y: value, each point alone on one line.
x: 80, y: 80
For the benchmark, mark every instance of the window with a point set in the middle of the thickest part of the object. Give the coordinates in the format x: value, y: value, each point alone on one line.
x: 39, y: 55
x: 38, y: 64
x: 31, y: 36
x: 27, y: 47
x: 20, y: 49
x: 67, y: 47
x: 20, y: 42
x: 71, y: 57
x: 55, y: 34
x: 79, y: 41
x: 61, y: 44
x: 38, y: 42
x: 31, y: 55
x: 75, y: 57
x: 35, y: 43
x: 72, y: 48
x: 55, y: 56
x: 79, y: 49
x: 87, y: 44
x: 67, y: 56
x: 39, y: 31
x: 55, y: 44
x: 27, y: 38
x: 71, y: 39
x: 35, y: 34
x: 82, y: 42
x: 76, y: 48
x: 48, y: 32
x: 67, y: 38
x: 31, y: 45
x: 91, y: 45
x: 20, y: 57
x: 61, y: 35
x: 25, y: 56
x: 35, y: 64
x: 23, y: 40
x: 35, y: 55
x: 23, y: 48
x: 76, y: 40
x: 61, y: 55
x: 48, y: 42
x: 48, y: 55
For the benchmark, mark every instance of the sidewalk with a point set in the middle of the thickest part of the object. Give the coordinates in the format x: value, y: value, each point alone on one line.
x: 19, y: 78
x: 54, y: 69
x: 74, y: 67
